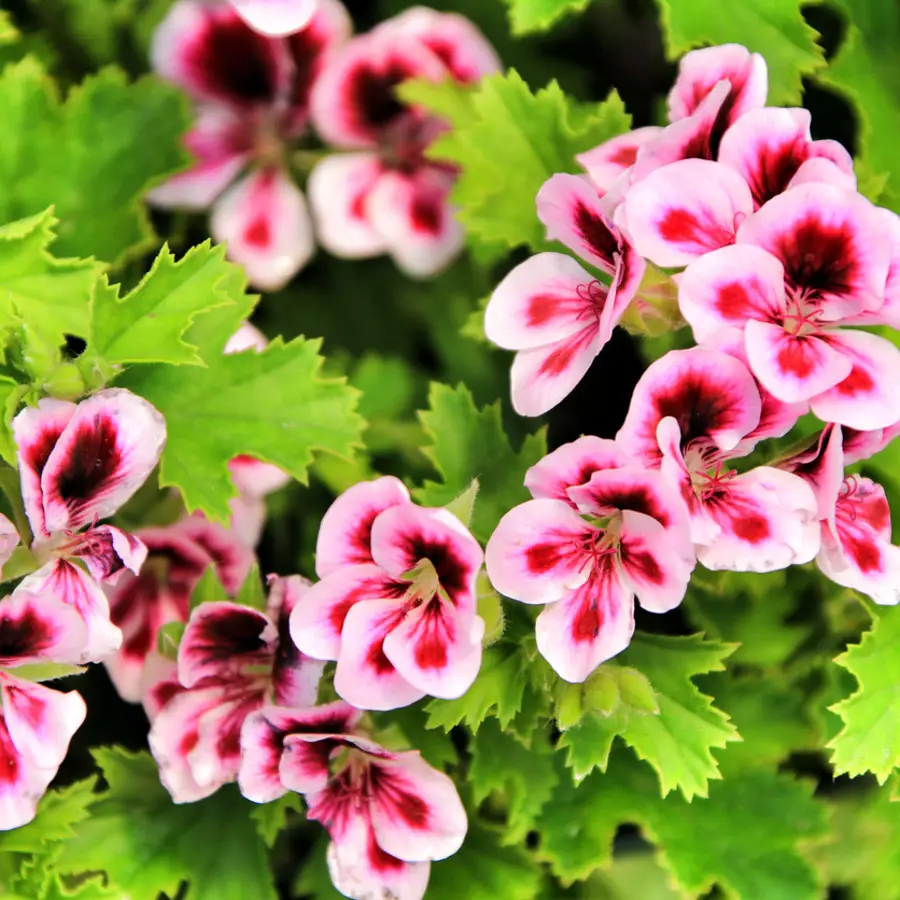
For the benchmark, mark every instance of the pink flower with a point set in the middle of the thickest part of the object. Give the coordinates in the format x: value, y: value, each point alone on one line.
x: 855, y: 521
x: 253, y: 98
x: 140, y: 604
x: 232, y: 661
x: 388, y: 814
x: 691, y: 412
x: 586, y: 548
x: 385, y: 196
x: 396, y: 605
x: 556, y: 314
x: 36, y: 723
x: 276, y: 17
x: 78, y: 464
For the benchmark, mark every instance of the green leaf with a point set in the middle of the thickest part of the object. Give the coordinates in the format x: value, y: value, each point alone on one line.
x: 168, y: 639
x: 435, y: 745
x: 865, y: 71
x: 509, y: 141
x: 526, y: 775
x: 208, y: 589
x: 540, y: 15
x: 148, y: 324
x: 11, y: 393
x: 253, y: 591
x: 468, y: 443
x: 774, y: 28
x: 8, y: 32
x: 147, y: 845
x: 58, y: 816
x: 274, y: 406
x: 40, y: 672
x: 870, y: 738
x: 96, y: 192
x: 270, y: 818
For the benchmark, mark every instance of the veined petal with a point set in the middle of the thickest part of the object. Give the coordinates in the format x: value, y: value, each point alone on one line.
x: 535, y: 555
x: 589, y: 625
x: 39, y: 628
x: 437, y: 648
x: 573, y: 464
x: 793, y: 367
x: 684, y: 210
x: 256, y: 478
x: 607, y: 162
x: 867, y: 397
x: 223, y: 639
x: 365, y: 676
x: 345, y: 535
x: 404, y: 535
x: 275, y: 17
x: 339, y: 188
x: 36, y: 727
x: 265, y: 223
x: 711, y: 395
x: 105, y: 453
x: 317, y: 621
x: 416, y: 812
x: 822, y: 468
x: 730, y: 286
x: 107, y: 552
x: 262, y: 746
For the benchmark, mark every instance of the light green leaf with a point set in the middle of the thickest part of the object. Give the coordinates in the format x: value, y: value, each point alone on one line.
x: 253, y: 592
x: 58, y: 815
x: 774, y: 28
x: 870, y: 738
x: 411, y: 733
x: 540, y: 15
x: 509, y: 141
x: 147, y: 845
x: 208, y: 589
x: 168, y: 639
x: 40, y: 672
x: 96, y: 193
x: 468, y: 443
x: 270, y: 818
x: 273, y: 405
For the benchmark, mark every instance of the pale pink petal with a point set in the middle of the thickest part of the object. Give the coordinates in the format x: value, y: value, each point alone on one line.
x: 832, y: 243
x: 345, y: 534
x: 685, y: 209
x: 265, y: 223
x: 107, y: 450
x: 702, y: 529
x: 534, y: 554
x: 543, y: 300
x: 404, y: 535
x: 573, y: 464
x: 221, y: 142
x: 727, y: 287
x: 867, y: 397
x: 256, y: 478
x: 607, y: 162
x: 700, y: 70
x: 39, y: 628
x: 822, y: 468
x: 36, y: 727
x: 411, y: 212
x: 262, y: 746
x: 275, y: 17
x: 338, y: 188
x: 768, y: 520
x: 822, y: 170
x: 9, y: 539
x: 588, y: 626
x: 247, y: 337
x: 710, y: 394
x: 793, y: 367
x: 416, y: 812
x: 209, y: 51
x: 36, y: 431
x: 107, y: 552
x: 365, y: 677
x: 159, y: 684
x: 437, y: 649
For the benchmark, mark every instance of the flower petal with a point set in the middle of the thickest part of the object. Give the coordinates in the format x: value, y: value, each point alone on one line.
x: 275, y: 17
x: 107, y: 552
x: 607, y: 162
x: 9, y: 539
x: 39, y: 628
x: 264, y: 220
x: 822, y: 468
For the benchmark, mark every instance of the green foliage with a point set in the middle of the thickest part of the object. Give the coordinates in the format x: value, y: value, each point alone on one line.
x: 147, y: 845
x: 406, y: 729
x: 270, y: 818
x: 539, y: 15
x: 509, y: 141
x: 96, y: 192
x: 774, y: 28
x: 58, y: 816
x: 468, y: 443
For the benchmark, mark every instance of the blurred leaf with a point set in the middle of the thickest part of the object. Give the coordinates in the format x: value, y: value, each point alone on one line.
x: 59, y: 812
x: 270, y: 818
x: 539, y: 15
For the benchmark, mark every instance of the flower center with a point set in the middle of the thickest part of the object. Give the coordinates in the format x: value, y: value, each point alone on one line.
x: 424, y: 583
x: 593, y: 295
x: 802, y: 316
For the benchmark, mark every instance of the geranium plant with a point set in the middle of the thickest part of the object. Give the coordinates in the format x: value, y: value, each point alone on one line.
x: 449, y: 452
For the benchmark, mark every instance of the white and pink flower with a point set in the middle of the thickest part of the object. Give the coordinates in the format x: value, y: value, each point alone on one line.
x: 276, y: 17
x: 396, y: 606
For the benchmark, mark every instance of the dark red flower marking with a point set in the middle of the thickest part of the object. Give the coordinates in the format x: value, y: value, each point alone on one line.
x: 596, y: 233
x: 541, y: 558
x: 818, y: 258
x: 27, y: 635
x: 391, y: 792
x: 94, y: 462
x: 9, y: 756
x: 258, y: 233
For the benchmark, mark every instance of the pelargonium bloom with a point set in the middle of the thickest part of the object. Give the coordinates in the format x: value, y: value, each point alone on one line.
x: 388, y: 814
x: 232, y: 661
x: 140, y: 604
x: 587, y: 548
x: 396, y: 606
x: 78, y: 464
x: 855, y: 520
x: 555, y: 313
x: 253, y: 97
x: 691, y: 412
x: 275, y: 17
x: 36, y: 723
x: 386, y: 196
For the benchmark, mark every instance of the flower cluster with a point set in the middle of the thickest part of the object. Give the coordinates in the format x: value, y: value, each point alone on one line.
x: 256, y: 93
x: 778, y: 260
